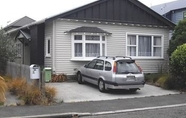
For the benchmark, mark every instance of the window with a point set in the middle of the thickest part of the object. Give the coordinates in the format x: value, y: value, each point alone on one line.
x: 184, y: 15
x: 144, y: 46
x: 18, y: 49
x: 86, y: 46
x: 108, y: 66
x: 99, y: 65
x: 48, y: 44
x: 91, y: 64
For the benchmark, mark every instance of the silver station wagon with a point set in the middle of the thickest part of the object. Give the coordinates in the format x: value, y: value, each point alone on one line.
x: 118, y: 72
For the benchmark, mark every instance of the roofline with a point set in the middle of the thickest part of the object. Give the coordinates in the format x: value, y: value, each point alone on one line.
x: 74, y: 10
x: 27, y: 26
x: 160, y: 17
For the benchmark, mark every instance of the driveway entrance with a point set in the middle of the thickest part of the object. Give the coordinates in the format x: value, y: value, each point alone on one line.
x: 74, y: 92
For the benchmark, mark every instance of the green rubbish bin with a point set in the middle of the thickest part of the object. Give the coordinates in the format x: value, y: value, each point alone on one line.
x: 47, y: 74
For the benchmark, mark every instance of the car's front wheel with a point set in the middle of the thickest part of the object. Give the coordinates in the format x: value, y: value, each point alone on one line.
x: 101, y: 85
x: 79, y: 78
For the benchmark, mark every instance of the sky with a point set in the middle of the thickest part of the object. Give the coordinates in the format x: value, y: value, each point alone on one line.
x: 11, y: 10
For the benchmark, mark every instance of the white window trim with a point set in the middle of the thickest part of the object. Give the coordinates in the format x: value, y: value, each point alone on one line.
x: 46, y: 47
x: 146, y: 57
x: 84, y: 41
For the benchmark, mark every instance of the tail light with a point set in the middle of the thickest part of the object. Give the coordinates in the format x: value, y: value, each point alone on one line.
x: 139, y: 67
x: 114, y: 67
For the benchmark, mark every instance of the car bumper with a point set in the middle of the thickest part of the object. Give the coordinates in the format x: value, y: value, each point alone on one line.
x: 124, y: 86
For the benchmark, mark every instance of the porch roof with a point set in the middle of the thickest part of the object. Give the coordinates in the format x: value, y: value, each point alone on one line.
x: 87, y: 30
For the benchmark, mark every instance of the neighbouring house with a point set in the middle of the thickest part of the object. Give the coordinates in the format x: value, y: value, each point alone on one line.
x: 19, y: 23
x: 174, y: 11
x: 68, y: 40
x: 21, y: 45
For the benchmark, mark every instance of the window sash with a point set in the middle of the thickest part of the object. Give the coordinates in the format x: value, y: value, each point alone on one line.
x: 92, y: 46
x: 48, y: 47
x: 144, y: 46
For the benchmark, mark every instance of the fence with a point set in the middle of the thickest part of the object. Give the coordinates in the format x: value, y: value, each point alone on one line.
x: 18, y: 70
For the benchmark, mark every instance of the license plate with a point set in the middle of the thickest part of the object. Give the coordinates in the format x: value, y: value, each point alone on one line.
x: 131, y: 78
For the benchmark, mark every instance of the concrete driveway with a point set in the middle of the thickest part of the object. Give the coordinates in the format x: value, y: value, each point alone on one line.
x: 73, y: 92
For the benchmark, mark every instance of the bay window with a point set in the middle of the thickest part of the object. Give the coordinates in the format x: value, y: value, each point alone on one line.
x: 144, y: 45
x: 86, y: 46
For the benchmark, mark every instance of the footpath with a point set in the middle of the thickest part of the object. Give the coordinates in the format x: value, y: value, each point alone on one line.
x: 80, y: 109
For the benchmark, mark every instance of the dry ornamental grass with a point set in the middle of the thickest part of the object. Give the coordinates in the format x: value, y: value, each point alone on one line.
x: 3, y: 88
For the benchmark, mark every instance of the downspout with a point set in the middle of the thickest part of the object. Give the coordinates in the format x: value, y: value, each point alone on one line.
x: 53, y: 47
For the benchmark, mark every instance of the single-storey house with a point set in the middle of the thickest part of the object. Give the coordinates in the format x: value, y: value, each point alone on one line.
x: 68, y: 40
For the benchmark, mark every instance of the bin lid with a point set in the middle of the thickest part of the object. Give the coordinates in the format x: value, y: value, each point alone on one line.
x: 34, y: 65
x: 47, y: 68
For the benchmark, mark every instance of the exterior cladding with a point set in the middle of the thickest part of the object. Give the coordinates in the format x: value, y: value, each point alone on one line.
x: 118, y: 11
x: 116, y: 45
x: 177, y: 15
x: 48, y: 33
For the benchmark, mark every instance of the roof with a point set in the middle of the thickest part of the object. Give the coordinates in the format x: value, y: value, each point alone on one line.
x: 123, y: 11
x: 19, y: 23
x: 88, y: 30
x: 169, y: 6
x: 117, y: 11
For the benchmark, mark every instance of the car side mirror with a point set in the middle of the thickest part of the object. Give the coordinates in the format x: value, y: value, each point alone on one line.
x: 85, y: 66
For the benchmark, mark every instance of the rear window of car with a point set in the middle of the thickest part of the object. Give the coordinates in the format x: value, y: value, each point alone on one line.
x: 125, y: 67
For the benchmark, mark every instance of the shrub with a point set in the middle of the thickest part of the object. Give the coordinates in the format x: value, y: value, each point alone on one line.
x: 3, y: 88
x: 178, y: 66
x: 152, y: 78
x: 7, y: 50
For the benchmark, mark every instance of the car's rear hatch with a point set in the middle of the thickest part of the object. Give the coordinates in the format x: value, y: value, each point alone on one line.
x: 128, y: 73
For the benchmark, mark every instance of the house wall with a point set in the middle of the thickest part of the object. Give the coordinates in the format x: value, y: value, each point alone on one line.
x: 177, y: 15
x: 116, y: 45
x: 48, y: 33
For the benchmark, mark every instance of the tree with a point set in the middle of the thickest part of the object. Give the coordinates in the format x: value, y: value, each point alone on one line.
x: 7, y: 51
x: 178, y: 37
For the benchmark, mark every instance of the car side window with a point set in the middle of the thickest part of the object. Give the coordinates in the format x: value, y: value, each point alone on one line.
x: 91, y: 64
x: 108, y: 66
x: 99, y: 65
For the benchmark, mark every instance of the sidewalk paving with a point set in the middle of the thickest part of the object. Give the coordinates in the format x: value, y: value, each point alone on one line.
x: 90, y: 108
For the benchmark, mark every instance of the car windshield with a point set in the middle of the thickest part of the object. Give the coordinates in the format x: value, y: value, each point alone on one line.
x: 125, y: 67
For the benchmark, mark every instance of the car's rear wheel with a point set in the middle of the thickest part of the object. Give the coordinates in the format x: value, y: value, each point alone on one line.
x: 101, y: 85
x: 79, y: 78
x: 133, y: 90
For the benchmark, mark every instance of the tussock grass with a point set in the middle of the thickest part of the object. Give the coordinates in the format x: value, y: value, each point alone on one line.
x: 30, y: 94
x: 3, y: 88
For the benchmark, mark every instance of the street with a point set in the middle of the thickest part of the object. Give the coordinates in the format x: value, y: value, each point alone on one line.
x: 175, y: 112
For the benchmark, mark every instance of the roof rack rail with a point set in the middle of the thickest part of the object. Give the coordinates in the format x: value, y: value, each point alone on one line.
x: 106, y: 57
x: 124, y: 57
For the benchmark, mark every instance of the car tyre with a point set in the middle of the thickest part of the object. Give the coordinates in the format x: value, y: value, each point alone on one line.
x: 79, y: 78
x: 101, y: 85
x: 133, y: 90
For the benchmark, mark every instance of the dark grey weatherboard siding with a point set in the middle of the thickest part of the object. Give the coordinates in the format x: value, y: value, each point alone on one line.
x: 37, y: 44
x: 124, y: 11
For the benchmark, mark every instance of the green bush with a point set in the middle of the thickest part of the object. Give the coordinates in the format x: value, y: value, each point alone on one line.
x: 178, y: 37
x: 178, y: 66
